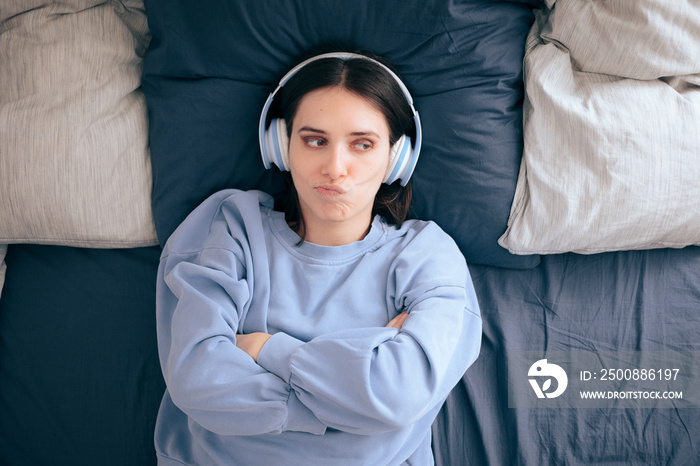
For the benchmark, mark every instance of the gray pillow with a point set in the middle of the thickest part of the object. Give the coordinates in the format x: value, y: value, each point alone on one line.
x: 74, y: 157
x: 611, y: 150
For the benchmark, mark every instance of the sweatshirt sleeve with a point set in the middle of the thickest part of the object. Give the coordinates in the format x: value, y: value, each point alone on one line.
x: 372, y: 380
x: 202, y: 291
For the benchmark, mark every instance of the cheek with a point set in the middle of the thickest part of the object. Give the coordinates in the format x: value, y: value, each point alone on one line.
x: 377, y: 166
x: 297, y: 162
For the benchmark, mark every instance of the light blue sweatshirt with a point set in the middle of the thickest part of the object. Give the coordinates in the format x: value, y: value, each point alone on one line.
x: 333, y: 385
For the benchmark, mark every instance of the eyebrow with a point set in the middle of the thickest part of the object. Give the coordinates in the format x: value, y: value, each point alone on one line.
x: 354, y: 133
x: 310, y: 129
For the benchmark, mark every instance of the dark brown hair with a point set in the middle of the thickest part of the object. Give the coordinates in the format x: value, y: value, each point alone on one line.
x: 373, y: 83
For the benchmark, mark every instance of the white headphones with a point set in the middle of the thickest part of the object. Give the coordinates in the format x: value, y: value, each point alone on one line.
x: 274, y: 142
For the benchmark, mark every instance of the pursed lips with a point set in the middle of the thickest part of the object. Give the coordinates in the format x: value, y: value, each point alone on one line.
x: 329, y: 190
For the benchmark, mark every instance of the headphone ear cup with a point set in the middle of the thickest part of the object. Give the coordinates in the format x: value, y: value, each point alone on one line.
x: 400, y: 155
x: 277, y: 143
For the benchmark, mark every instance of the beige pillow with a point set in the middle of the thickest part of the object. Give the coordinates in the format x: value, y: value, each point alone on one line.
x: 74, y: 159
x: 641, y: 39
x: 609, y: 163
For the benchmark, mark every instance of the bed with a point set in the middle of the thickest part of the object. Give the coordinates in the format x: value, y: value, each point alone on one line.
x: 561, y: 151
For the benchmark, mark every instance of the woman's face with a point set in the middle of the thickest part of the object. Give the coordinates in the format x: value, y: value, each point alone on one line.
x: 338, y: 156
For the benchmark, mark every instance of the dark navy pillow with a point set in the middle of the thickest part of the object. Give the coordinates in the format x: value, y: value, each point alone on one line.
x: 211, y: 65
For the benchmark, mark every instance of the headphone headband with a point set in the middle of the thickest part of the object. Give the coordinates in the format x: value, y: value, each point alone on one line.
x: 274, y: 141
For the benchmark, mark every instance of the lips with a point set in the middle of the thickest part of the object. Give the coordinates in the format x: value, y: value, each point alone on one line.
x: 329, y: 190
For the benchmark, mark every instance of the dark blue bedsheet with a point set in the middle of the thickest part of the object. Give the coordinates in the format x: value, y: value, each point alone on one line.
x: 80, y: 382
x: 638, y: 302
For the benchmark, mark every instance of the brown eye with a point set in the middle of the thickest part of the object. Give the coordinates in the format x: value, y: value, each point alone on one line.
x: 315, y: 142
x: 363, y: 145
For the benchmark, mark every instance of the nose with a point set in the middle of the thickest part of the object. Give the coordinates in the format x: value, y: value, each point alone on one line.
x: 334, y: 165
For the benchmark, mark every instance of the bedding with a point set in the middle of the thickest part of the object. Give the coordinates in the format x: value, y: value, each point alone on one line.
x: 74, y: 165
x: 644, y: 302
x: 80, y: 381
x: 3, y: 266
x: 612, y: 139
x: 210, y: 66
x: 99, y: 170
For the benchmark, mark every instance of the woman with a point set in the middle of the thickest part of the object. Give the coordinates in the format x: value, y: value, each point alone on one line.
x: 329, y: 333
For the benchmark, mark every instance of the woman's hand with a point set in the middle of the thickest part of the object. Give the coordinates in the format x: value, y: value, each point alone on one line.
x: 397, y: 322
x: 252, y: 343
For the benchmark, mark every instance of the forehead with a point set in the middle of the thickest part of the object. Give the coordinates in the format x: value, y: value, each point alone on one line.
x: 335, y: 106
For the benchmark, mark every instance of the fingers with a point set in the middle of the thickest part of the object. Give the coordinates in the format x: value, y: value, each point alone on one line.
x: 397, y: 322
x: 252, y: 343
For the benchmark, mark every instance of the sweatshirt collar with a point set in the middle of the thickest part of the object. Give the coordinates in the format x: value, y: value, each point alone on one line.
x: 315, y: 252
